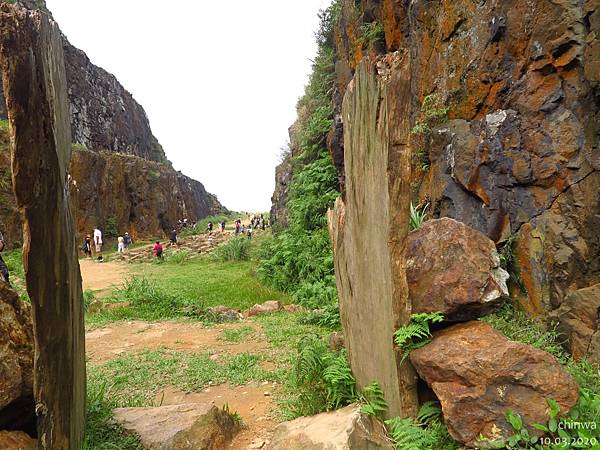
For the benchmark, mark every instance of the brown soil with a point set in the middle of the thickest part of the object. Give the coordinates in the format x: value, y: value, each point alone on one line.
x: 101, y: 275
x: 103, y: 344
x: 253, y: 402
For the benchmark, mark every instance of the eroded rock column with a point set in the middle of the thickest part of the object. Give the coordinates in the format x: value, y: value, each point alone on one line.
x: 34, y: 83
x: 369, y: 228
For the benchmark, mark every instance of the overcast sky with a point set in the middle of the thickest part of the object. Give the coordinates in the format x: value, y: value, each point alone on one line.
x: 219, y: 80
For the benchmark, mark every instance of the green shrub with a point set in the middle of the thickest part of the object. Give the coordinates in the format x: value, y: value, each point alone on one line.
x: 235, y: 249
x: 299, y: 259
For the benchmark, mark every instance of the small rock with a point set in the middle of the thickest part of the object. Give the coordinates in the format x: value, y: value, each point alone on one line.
x: 478, y: 375
x: 193, y: 426
x: 225, y: 314
x: 336, y: 341
x: 266, y: 308
x: 294, y: 308
x: 344, y: 429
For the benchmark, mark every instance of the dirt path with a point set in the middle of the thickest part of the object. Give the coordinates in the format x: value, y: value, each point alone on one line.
x: 99, y: 276
x: 253, y: 402
x: 104, y: 344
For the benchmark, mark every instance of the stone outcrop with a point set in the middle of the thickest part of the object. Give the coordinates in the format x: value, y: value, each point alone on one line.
x: 578, y: 319
x: 344, y: 429
x: 478, y: 375
x: 283, y: 178
x: 108, y: 123
x: 16, y: 361
x: 193, y: 426
x: 144, y: 197
x: 519, y: 152
x: 453, y: 269
x: 35, y: 87
x: 369, y: 229
x: 103, y: 114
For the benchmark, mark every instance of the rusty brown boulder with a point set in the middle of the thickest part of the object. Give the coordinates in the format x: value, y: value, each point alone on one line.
x: 16, y: 359
x: 454, y: 269
x: 478, y: 374
x: 578, y: 322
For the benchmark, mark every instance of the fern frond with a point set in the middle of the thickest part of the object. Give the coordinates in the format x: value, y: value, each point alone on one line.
x: 429, y: 412
x: 374, y: 398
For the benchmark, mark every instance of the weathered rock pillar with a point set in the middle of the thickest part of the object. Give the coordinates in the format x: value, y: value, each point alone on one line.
x: 34, y: 82
x: 369, y: 228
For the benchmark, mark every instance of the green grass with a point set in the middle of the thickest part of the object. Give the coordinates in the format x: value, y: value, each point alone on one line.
x: 141, y: 376
x: 236, y: 334
x: 171, y: 291
x: 101, y: 432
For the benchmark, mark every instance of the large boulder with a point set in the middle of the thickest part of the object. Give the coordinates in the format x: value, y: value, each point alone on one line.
x: 578, y: 322
x: 346, y: 428
x: 454, y: 269
x: 193, y: 426
x: 16, y: 359
x: 478, y: 375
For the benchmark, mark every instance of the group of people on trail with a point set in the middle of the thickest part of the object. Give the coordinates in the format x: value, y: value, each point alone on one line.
x: 89, y: 245
x: 3, y: 268
x: 211, y: 226
x: 241, y: 229
x: 259, y: 222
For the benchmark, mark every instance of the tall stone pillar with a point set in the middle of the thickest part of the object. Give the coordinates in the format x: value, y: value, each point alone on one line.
x: 33, y: 74
x: 369, y: 228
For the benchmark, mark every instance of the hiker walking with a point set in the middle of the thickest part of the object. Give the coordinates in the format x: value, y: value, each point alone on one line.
x: 98, y: 243
x: 173, y: 237
x: 210, y: 227
x: 222, y: 226
x: 3, y: 268
x: 87, y: 246
x: 127, y: 241
x: 249, y: 232
x: 237, y: 226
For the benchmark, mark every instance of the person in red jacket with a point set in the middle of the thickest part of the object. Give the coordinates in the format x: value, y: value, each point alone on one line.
x: 157, y: 250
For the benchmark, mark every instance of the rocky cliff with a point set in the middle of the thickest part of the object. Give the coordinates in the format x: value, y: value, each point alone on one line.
x: 504, y: 108
x: 120, y: 174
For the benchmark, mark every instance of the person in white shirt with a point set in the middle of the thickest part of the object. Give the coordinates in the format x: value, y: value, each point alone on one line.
x: 121, y: 244
x: 98, y: 242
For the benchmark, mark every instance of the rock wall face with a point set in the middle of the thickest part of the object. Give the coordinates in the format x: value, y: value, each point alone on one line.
x: 519, y: 151
x: 283, y: 178
x: 124, y: 177
x: 35, y: 86
x: 141, y: 196
x: 104, y: 115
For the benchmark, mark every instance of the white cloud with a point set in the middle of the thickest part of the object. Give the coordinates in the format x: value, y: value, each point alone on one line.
x: 218, y: 80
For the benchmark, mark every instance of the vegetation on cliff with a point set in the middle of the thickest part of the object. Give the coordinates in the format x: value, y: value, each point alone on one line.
x: 299, y: 259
